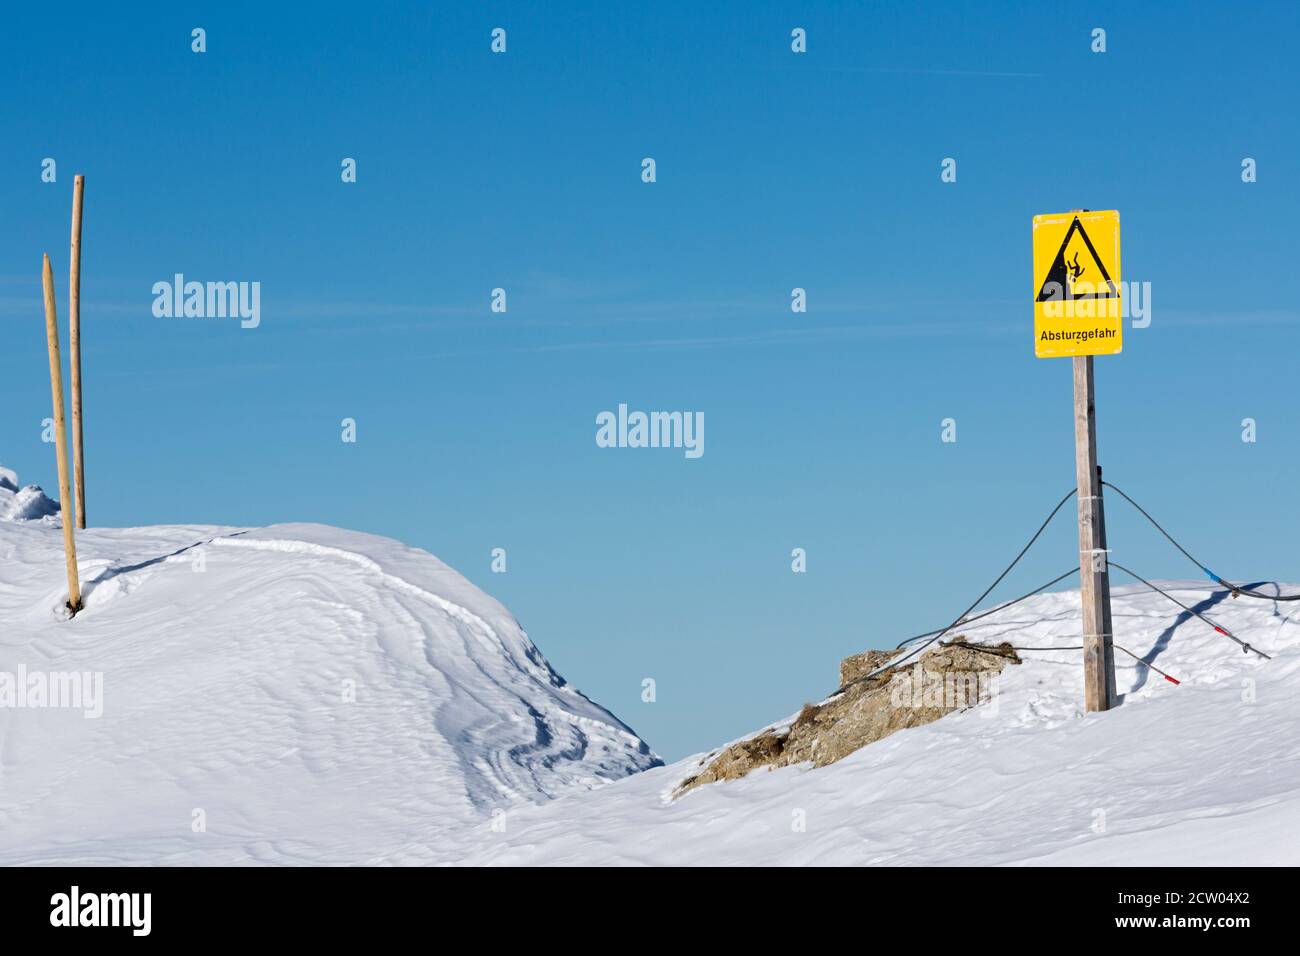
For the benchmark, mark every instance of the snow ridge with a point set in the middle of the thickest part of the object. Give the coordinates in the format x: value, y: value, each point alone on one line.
x: 562, y: 718
x: 305, y: 694
x: 23, y: 504
x: 1204, y: 773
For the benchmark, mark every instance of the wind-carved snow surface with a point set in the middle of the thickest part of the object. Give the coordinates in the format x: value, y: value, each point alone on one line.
x: 23, y: 504
x: 225, y: 735
x: 1205, y: 773
x: 290, y: 694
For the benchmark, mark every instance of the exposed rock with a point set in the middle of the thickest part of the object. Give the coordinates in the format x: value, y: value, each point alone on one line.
x: 859, y: 665
x: 949, y: 677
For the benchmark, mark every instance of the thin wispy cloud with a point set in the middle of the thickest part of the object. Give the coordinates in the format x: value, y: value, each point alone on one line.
x: 917, y: 71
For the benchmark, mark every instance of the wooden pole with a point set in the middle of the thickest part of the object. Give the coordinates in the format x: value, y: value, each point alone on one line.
x: 1112, y: 694
x: 74, y: 347
x: 61, y: 436
x: 1098, y: 656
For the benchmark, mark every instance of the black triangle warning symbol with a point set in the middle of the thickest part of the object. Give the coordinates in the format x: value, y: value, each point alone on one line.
x: 1064, y: 273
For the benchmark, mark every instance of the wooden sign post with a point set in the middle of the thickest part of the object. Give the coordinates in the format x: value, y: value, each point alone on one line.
x: 1094, y: 591
x: 1078, y: 313
x: 74, y: 347
x: 61, y: 436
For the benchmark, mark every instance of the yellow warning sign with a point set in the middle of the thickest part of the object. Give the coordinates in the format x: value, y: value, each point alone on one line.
x: 1078, y: 307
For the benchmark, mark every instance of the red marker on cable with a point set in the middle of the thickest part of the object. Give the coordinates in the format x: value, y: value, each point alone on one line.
x: 1172, y: 680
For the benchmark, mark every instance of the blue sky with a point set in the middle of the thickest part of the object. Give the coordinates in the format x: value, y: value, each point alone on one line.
x: 775, y: 170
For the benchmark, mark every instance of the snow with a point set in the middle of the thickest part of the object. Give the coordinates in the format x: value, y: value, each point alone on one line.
x: 308, y: 694
x: 1205, y: 773
x: 22, y: 504
x: 229, y: 656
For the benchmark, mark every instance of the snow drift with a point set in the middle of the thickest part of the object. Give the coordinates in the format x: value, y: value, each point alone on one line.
x: 287, y: 694
x: 1204, y: 773
x: 301, y: 694
x: 23, y: 504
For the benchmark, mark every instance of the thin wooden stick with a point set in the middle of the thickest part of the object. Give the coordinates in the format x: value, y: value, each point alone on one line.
x: 74, y: 346
x: 61, y: 435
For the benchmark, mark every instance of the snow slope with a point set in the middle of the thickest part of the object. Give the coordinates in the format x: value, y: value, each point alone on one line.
x: 309, y: 694
x: 22, y: 504
x: 227, y: 653
x: 1205, y: 773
